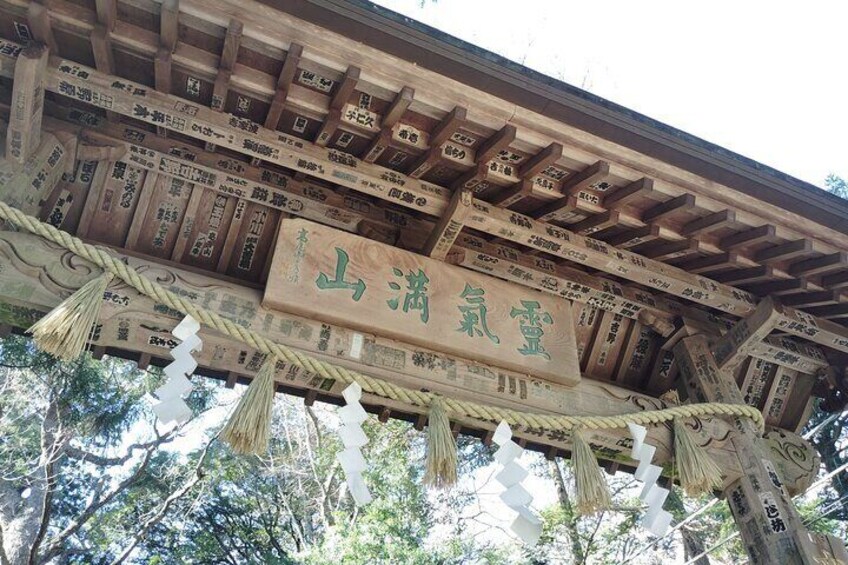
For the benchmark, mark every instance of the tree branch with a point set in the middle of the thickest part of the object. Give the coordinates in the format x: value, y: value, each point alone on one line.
x: 96, y: 504
x: 166, y: 505
x: 101, y: 461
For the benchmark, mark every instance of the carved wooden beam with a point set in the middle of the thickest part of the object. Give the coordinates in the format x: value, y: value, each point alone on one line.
x: 291, y: 193
x: 312, y: 202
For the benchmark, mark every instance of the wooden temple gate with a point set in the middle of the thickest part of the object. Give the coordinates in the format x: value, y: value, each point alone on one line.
x: 369, y: 192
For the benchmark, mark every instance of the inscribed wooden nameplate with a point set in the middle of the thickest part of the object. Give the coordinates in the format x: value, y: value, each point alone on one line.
x: 352, y: 281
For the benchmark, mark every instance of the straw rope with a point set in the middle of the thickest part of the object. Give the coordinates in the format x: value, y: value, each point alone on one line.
x: 376, y: 386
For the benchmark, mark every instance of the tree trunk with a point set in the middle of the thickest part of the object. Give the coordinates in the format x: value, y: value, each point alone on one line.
x: 571, y: 519
x: 23, y: 521
x: 827, y: 443
x: 693, y: 544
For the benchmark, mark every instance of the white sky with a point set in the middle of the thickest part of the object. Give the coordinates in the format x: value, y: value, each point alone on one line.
x: 766, y: 79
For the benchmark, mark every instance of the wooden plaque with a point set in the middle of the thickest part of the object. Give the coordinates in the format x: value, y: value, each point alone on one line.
x: 375, y: 288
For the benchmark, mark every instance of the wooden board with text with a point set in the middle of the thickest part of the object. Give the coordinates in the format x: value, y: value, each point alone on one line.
x: 375, y: 288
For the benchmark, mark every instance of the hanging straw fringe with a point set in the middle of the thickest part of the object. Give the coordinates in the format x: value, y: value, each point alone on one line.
x: 64, y: 331
x: 591, y: 486
x: 441, y: 448
x: 249, y: 427
x: 698, y: 472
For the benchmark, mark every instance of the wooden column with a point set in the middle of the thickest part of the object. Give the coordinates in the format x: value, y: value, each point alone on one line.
x: 771, y: 528
x: 24, y: 132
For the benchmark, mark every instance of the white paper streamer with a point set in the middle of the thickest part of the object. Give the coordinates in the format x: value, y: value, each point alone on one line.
x: 170, y: 406
x: 353, y: 463
x: 656, y: 520
x: 527, y: 525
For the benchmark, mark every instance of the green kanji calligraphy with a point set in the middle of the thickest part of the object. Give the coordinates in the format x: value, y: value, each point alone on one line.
x: 324, y: 283
x: 415, y: 297
x: 530, y: 323
x: 474, y: 313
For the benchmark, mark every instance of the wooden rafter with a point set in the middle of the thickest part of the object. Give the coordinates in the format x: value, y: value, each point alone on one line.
x: 383, y: 140
x: 442, y: 132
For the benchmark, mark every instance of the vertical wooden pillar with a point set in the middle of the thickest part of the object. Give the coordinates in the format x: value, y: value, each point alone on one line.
x: 24, y: 132
x: 771, y: 527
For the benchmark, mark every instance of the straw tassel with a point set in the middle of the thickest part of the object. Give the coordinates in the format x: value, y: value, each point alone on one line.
x: 64, y: 331
x: 698, y: 472
x: 591, y: 486
x: 441, y: 448
x: 249, y: 427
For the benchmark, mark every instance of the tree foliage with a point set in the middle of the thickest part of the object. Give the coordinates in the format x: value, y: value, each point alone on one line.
x: 836, y: 185
x: 86, y: 477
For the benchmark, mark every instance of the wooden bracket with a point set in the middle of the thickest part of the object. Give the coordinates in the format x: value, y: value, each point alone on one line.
x: 591, y: 174
x: 732, y: 348
x: 344, y: 90
x: 450, y: 224
x: 310, y: 398
x: 709, y: 223
x: 669, y: 207
x: 229, y: 54
x: 626, y: 194
x: 446, y: 128
x: 143, y: 361
x: 383, y: 140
